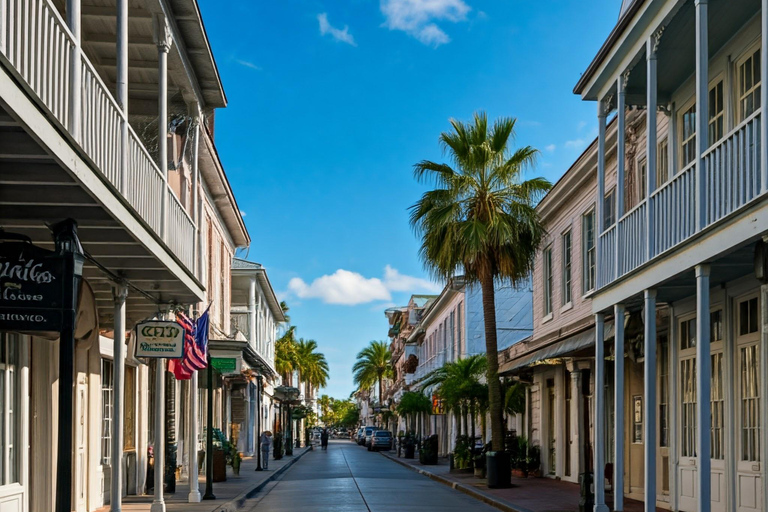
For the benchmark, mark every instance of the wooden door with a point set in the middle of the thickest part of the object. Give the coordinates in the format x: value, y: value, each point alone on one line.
x: 81, y: 443
x: 687, y: 474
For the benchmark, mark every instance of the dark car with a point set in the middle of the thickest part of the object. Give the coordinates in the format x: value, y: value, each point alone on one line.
x: 381, y: 439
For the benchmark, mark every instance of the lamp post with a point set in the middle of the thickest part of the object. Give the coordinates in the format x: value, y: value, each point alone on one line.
x: 258, y: 425
x: 209, y: 438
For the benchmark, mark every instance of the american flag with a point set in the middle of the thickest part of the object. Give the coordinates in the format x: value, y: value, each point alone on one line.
x: 195, y: 347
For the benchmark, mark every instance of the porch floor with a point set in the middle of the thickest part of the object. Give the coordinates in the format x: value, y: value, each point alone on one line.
x: 526, y: 495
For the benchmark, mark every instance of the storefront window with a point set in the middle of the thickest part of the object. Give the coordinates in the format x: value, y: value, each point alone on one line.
x: 9, y: 405
x: 107, y: 369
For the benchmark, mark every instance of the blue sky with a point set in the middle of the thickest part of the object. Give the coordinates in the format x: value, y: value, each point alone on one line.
x: 332, y: 102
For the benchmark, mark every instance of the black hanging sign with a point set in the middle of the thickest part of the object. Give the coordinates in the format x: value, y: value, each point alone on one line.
x: 31, y: 287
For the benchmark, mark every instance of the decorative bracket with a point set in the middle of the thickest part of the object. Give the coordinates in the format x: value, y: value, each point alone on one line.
x: 656, y: 39
x: 161, y: 33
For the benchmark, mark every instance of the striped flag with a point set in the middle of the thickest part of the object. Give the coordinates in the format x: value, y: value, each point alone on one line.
x: 181, y: 368
x: 201, y: 340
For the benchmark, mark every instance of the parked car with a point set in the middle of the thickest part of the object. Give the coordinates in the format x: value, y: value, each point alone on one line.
x: 368, y: 435
x: 381, y: 439
x: 360, y: 435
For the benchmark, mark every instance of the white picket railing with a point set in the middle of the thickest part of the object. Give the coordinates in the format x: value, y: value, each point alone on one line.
x: 606, y: 271
x: 39, y: 46
x: 180, y: 233
x: 674, y: 207
x: 632, y: 233
x: 733, y: 169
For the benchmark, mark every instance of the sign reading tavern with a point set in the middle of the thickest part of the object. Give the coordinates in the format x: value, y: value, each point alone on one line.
x: 31, y: 287
x: 159, y: 338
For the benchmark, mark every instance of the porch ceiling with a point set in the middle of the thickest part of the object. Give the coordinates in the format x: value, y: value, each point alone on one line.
x: 676, y: 57
x: 35, y: 191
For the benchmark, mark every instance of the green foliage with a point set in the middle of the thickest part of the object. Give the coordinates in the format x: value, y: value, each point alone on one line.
x: 414, y: 403
x: 299, y: 354
x: 341, y: 413
x: 462, y: 453
x: 373, y: 365
x: 514, y: 398
x: 481, y: 220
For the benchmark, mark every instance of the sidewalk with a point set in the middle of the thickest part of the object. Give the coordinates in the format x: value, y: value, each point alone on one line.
x: 230, y: 495
x: 526, y: 495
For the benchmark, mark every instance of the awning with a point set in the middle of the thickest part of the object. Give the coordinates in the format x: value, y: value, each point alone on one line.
x: 249, y: 355
x: 558, y: 349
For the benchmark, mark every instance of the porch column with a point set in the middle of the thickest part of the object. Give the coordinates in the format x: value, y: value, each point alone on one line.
x: 158, y: 504
x: 122, y: 90
x: 651, y: 141
x: 194, y: 485
x: 198, y: 265
x: 764, y: 374
x: 252, y: 338
x: 74, y: 23
x: 703, y: 389
x: 649, y: 389
x: 602, y: 111
x: 702, y: 117
x: 120, y: 293
x: 618, y: 401
x: 599, y: 419
x: 621, y: 136
x: 163, y: 40
x: 763, y: 100
x: 577, y: 423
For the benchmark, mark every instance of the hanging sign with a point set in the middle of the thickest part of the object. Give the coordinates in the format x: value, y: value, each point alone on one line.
x: 159, y: 338
x: 225, y: 365
x: 31, y: 288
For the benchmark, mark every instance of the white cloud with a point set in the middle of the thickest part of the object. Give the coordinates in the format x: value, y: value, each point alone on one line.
x: 351, y: 288
x: 415, y: 17
x: 248, y: 64
x: 342, y: 35
x: 575, y: 144
x: 242, y: 213
x: 550, y: 147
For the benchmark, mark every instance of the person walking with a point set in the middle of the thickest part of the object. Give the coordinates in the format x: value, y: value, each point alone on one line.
x: 266, y: 446
x: 324, y: 439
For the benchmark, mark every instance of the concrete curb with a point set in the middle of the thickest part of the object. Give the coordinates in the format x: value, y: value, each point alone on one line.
x: 488, y: 500
x: 237, y: 503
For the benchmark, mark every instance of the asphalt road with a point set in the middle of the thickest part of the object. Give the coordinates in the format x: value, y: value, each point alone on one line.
x: 348, y: 478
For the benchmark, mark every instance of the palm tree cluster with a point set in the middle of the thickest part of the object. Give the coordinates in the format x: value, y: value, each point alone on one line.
x: 458, y: 386
x: 413, y: 405
x: 292, y: 354
x: 373, y: 365
x: 481, y: 221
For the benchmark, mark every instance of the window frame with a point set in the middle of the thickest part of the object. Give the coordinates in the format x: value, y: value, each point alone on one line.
x: 566, y: 273
x: 547, y: 265
x: 588, y: 254
x: 749, y: 54
x: 609, y: 209
x: 718, y: 81
x: 662, y: 162
x: 684, y: 142
x: 107, y: 410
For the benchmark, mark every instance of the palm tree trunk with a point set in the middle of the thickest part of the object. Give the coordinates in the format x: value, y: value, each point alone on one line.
x: 466, y: 422
x: 472, y: 415
x: 492, y: 373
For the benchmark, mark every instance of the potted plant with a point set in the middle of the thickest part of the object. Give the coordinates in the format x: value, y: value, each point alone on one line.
x: 237, y: 458
x: 534, y: 460
x: 462, y: 455
x: 428, y: 451
x: 277, y: 446
x: 409, y: 446
x: 479, y: 461
x: 519, y: 457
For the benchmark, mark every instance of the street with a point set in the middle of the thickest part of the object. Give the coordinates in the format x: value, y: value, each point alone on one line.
x: 348, y: 478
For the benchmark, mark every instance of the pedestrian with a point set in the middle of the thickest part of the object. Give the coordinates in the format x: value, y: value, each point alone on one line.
x: 324, y: 439
x: 266, y: 445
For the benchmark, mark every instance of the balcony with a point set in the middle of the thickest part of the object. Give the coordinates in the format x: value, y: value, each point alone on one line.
x: 731, y: 182
x: 39, y: 50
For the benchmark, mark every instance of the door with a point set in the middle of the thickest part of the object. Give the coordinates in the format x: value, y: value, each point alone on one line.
x: 551, y: 428
x: 81, y: 443
x: 686, y: 344
x: 719, y: 430
x: 747, y: 380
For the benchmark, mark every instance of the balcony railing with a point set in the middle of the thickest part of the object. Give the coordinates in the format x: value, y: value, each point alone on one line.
x: 731, y: 178
x: 240, y: 321
x: 40, y: 47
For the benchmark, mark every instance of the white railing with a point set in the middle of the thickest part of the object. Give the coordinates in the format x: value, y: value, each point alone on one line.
x: 239, y: 320
x: 145, y: 190
x: 606, y: 271
x: 631, y: 238
x: 674, y: 210
x: 38, y: 44
x: 100, y: 128
x: 180, y: 233
x: 733, y: 169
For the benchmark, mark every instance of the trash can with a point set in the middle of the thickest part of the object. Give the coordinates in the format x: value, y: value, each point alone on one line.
x: 498, y: 470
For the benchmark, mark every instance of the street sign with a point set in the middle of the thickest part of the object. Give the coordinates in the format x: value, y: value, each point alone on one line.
x: 225, y: 365
x: 159, y: 338
x: 31, y: 287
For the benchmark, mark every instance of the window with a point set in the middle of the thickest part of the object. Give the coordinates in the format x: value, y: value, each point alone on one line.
x: 716, y: 326
x: 716, y: 115
x: 9, y: 407
x: 664, y: 393
x: 548, y: 280
x: 688, y: 409
x: 662, y: 163
x: 748, y: 317
x: 688, y: 334
x: 749, y: 85
x: 717, y: 408
x: 107, y: 397
x: 688, y: 138
x: 566, y: 268
x: 459, y: 331
x: 642, y: 182
x: 750, y: 404
x: 609, y: 209
x: 588, y: 250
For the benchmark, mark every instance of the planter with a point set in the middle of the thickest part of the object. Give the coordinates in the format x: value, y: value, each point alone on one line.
x: 236, y: 470
x: 410, y: 451
x: 499, y: 472
x: 520, y: 473
x: 219, y: 466
x: 479, y: 472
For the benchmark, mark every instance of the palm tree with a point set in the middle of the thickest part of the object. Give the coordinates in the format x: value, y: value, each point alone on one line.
x: 481, y: 220
x: 458, y: 385
x: 312, y: 366
x: 285, y: 354
x: 325, y: 406
x: 373, y: 366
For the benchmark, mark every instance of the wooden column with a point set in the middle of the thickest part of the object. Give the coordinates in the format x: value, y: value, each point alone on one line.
x: 651, y: 141
x: 120, y: 293
x: 599, y: 418
x: 162, y: 38
x: 621, y: 130
x: 618, y: 402
x: 122, y: 90
x: 650, y: 405
x: 702, y: 111
x: 763, y: 103
x: 74, y: 22
x: 602, y: 111
x: 703, y: 390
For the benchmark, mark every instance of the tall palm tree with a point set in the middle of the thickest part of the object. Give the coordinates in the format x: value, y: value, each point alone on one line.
x: 481, y: 220
x: 312, y: 366
x: 373, y: 366
x: 285, y: 354
x: 325, y: 406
